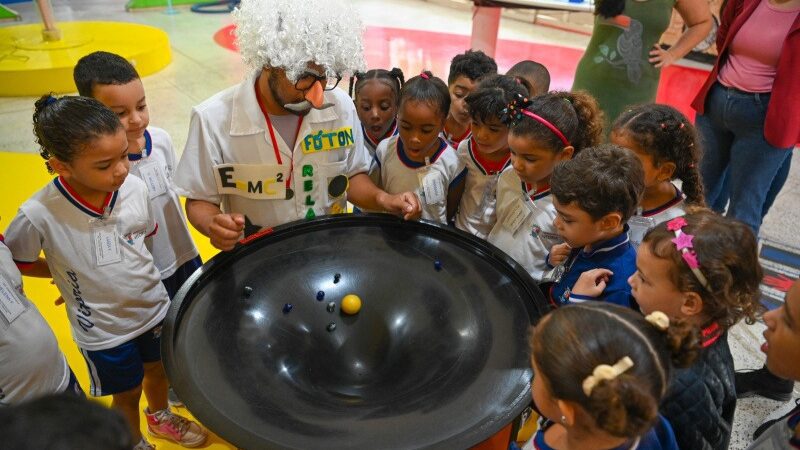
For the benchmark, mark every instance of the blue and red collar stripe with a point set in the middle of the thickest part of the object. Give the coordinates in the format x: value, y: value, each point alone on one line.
x: 73, y: 197
x: 484, y: 166
x: 675, y: 200
x: 391, y: 132
x: 539, y: 194
x: 148, y: 148
x: 401, y: 153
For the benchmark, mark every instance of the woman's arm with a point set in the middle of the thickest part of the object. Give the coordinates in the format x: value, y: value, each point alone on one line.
x: 697, y: 17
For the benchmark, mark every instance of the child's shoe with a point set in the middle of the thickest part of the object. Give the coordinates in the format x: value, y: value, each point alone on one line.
x: 165, y: 424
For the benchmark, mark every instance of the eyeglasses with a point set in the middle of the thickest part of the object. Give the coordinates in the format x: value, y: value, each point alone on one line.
x: 307, y: 79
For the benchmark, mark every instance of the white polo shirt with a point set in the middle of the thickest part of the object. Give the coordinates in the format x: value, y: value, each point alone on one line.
x: 230, y: 159
x: 172, y: 245
x: 101, y: 267
x: 524, y: 228
x: 395, y: 172
x: 476, y: 212
x: 31, y: 364
x: 643, y: 221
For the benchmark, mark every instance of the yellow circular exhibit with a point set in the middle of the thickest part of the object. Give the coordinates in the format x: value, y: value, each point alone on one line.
x: 33, y: 66
x: 351, y: 304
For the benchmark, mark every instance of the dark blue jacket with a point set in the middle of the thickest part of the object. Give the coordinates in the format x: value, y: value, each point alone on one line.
x: 616, y: 255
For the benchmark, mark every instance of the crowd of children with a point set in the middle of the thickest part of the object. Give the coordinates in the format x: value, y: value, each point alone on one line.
x: 644, y: 282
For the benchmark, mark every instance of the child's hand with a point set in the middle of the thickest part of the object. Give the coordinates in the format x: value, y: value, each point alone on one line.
x: 405, y: 204
x: 225, y: 230
x: 559, y: 253
x: 592, y: 283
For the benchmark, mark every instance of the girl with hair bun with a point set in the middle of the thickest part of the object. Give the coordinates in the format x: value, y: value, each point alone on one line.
x: 604, y: 392
x: 94, y: 224
x: 417, y: 159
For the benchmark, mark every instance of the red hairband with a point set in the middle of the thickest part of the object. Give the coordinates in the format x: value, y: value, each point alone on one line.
x: 546, y: 123
x: 425, y: 76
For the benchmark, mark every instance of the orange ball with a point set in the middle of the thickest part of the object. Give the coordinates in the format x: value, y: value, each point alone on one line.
x: 351, y: 304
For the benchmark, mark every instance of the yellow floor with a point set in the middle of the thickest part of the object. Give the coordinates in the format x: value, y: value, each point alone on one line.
x: 32, y: 66
x: 23, y: 175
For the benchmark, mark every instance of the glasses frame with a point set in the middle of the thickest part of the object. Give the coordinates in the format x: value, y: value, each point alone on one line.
x: 323, y: 79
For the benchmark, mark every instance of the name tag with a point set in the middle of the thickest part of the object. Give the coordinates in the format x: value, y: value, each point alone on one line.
x: 433, y: 189
x: 154, y: 176
x: 327, y: 140
x: 105, y: 242
x: 515, y: 219
x: 254, y: 181
x: 11, y: 306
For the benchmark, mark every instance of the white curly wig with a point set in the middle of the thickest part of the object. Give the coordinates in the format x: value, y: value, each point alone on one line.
x: 289, y: 34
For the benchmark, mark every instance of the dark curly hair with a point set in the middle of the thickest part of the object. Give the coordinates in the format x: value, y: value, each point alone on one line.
x: 667, y: 136
x: 428, y: 89
x: 727, y: 251
x: 471, y: 64
x: 393, y: 78
x: 626, y: 406
x: 492, y: 96
x: 601, y: 180
x: 576, y: 114
x: 64, y: 126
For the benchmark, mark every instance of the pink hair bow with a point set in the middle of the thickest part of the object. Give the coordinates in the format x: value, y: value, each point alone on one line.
x: 684, y: 243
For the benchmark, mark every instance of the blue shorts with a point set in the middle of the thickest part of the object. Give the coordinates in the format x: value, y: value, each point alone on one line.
x: 174, y: 282
x: 119, y: 369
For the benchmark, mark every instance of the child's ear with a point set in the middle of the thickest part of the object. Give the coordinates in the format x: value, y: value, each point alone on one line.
x: 58, y: 166
x: 666, y: 171
x: 565, y: 154
x: 567, y: 410
x: 611, y: 221
x: 692, y: 304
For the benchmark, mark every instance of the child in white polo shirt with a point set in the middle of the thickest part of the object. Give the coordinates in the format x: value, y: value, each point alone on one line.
x: 113, y: 81
x: 485, y: 154
x: 92, y: 222
x: 417, y: 159
x: 31, y: 364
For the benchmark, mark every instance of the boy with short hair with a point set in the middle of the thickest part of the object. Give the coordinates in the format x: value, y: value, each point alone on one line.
x: 466, y: 70
x: 594, y: 195
x: 113, y: 81
x: 533, y: 75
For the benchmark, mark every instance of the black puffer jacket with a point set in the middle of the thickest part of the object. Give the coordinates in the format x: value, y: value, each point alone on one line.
x: 701, y: 400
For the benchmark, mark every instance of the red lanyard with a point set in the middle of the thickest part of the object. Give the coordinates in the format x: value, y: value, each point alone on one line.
x: 275, y: 141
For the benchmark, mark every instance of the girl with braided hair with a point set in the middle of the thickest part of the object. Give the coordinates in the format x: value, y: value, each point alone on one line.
x: 376, y: 94
x: 667, y: 145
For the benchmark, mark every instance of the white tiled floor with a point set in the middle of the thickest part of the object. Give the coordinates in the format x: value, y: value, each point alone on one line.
x: 201, y: 68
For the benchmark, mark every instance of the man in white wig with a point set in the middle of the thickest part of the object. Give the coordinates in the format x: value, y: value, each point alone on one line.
x: 284, y: 144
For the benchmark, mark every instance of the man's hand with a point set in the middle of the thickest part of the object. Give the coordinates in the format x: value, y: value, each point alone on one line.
x: 225, y: 230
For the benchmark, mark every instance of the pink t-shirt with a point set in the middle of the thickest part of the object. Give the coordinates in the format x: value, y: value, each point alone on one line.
x: 756, y: 48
